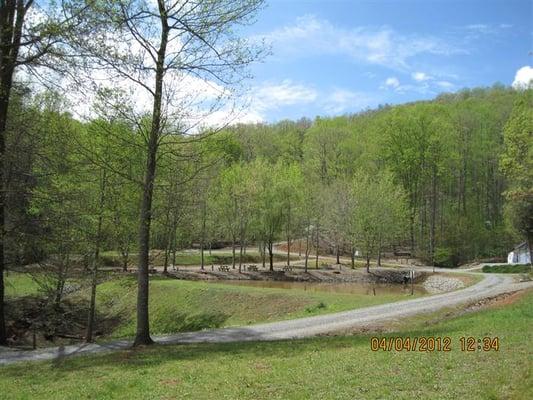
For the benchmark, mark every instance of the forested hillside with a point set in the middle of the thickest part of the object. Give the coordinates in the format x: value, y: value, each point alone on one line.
x: 424, y: 177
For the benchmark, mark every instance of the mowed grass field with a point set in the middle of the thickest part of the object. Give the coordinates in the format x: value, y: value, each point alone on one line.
x: 320, y: 368
x: 179, y: 306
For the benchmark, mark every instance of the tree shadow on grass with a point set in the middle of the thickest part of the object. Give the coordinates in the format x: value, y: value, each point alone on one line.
x: 246, y: 342
x: 166, y: 350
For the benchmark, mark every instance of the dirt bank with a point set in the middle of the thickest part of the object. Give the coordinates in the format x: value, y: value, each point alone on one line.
x: 331, y: 274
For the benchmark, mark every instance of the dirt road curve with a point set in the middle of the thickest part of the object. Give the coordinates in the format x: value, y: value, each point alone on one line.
x: 490, y: 286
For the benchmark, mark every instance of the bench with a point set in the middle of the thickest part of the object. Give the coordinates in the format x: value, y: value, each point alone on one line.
x: 252, y: 268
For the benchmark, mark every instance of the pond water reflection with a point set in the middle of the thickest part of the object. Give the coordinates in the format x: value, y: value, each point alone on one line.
x: 376, y: 289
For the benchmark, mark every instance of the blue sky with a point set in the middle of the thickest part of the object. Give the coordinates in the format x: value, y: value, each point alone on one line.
x: 332, y: 57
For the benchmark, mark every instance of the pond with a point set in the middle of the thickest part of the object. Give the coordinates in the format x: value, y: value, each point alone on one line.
x: 361, y: 288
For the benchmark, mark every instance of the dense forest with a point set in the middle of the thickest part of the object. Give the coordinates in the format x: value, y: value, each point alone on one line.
x: 424, y: 177
x: 446, y: 181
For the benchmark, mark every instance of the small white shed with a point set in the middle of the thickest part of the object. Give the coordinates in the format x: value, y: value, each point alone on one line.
x: 519, y: 255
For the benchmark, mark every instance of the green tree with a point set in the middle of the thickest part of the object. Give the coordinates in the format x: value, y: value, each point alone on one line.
x: 517, y: 164
x: 173, y: 42
x: 378, y: 216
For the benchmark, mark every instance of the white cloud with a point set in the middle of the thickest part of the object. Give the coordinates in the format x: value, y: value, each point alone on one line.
x: 342, y: 100
x: 285, y: 93
x: 380, y: 46
x: 445, y: 85
x: 270, y: 96
x: 523, y: 78
x: 228, y: 116
x: 392, y: 82
x: 420, y: 76
x: 480, y: 31
x: 478, y: 27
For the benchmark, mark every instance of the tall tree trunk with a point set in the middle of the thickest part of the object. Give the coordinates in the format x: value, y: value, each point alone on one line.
x: 241, y: 243
x: 92, y: 307
x: 367, y: 261
x: 317, y: 244
x: 167, y: 254
x: 143, y: 325
x: 12, y: 16
x: 353, y: 257
x: 289, y: 235
x: 412, y: 232
x: 271, y: 253
x: 233, y: 250
x: 379, y: 252
x: 433, y: 215
x: 174, y: 244
x: 306, y: 247
x: 168, y: 232
x: 337, y: 254
x: 263, y: 254
x: 202, y: 257
x: 240, y: 256
x: 202, y: 240
x: 174, y: 253
x: 530, y: 248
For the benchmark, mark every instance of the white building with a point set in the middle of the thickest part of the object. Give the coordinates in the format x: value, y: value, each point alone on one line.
x: 519, y: 255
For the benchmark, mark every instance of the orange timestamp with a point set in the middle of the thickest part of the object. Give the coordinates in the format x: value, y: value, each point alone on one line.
x: 433, y: 343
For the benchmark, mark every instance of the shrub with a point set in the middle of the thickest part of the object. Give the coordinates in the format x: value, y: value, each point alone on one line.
x: 507, y: 268
x: 445, y: 257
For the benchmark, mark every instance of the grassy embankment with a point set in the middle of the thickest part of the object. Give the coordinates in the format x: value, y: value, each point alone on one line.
x: 177, y: 306
x: 320, y: 368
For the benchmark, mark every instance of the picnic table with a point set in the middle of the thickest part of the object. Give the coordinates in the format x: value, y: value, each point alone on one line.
x: 224, y: 268
x: 287, y: 268
x: 252, y: 267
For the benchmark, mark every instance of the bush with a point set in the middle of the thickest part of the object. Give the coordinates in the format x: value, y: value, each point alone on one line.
x: 445, y: 257
x: 507, y: 268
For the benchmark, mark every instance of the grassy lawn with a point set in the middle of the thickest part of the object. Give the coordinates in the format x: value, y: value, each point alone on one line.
x: 320, y: 368
x: 177, y: 305
x: 18, y: 285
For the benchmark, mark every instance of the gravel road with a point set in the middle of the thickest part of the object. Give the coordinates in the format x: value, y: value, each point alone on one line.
x: 491, y: 285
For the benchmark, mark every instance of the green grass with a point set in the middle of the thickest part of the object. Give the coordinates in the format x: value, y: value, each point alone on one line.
x: 18, y: 285
x: 177, y: 305
x: 320, y: 368
x: 507, y: 268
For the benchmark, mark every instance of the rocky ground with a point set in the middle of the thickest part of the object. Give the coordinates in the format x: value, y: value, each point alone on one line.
x: 333, y: 274
x: 440, y: 284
